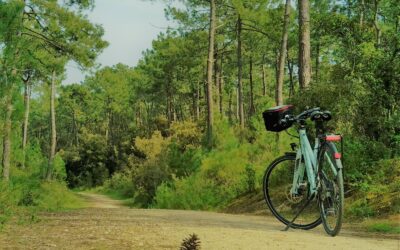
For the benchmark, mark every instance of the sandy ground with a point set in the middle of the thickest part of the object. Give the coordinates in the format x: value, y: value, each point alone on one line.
x: 106, y: 224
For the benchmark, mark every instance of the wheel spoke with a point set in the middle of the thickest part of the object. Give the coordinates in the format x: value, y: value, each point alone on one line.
x: 331, y: 193
x: 283, y: 204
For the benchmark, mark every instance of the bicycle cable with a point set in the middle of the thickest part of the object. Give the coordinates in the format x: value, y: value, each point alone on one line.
x: 287, y: 132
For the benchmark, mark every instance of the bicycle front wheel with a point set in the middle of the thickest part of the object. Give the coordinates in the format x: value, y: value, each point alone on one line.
x: 331, y: 196
x: 278, y: 180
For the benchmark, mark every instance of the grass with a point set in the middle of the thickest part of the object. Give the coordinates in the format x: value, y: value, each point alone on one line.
x: 384, y: 227
x: 113, y: 194
x: 57, y: 197
x: 22, y: 200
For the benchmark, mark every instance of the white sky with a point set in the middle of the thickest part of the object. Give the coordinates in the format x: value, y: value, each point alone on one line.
x: 130, y: 26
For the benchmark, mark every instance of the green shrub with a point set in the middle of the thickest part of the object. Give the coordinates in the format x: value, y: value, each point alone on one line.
x: 250, y: 178
x: 8, y: 203
x: 361, y: 208
x: 59, y: 172
x: 192, y: 193
x: 383, y: 227
x: 379, y: 192
x: 147, y: 178
x: 55, y: 196
x: 120, y: 183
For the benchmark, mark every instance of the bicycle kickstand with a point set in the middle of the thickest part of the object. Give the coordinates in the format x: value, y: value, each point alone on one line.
x: 289, y: 225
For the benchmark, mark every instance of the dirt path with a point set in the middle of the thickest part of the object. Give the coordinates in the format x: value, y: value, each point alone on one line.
x: 106, y: 224
x: 100, y: 201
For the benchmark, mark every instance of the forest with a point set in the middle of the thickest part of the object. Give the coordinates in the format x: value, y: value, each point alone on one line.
x: 183, y: 128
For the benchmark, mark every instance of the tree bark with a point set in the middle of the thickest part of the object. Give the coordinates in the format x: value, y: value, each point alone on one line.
x: 194, y: 101
x: 264, y: 80
x: 7, y: 138
x: 53, y: 144
x: 290, y: 68
x: 276, y: 74
x: 376, y: 23
x: 282, y: 56
x: 230, y: 112
x: 252, y: 106
x: 27, y: 98
x: 237, y: 103
x: 362, y: 10
x: 210, y: 63
x: 304, y: 44
x: 317, y: 62
x: 217, y: 77
x: 221, y: 84
x: 170, y: 112
x: 198, y: 102
x: 240, y: 72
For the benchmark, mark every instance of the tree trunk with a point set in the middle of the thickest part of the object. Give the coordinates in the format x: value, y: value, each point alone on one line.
x: 53, y: 144
x: 75, y: 130
x: 376, y: 23
x: 290, y: 68
x: 27, y: 98
x: 210, y: 63
x: 217, y: 75
x: 194, y: 106
x: 198, y: 102
x: 221, y: 84
x: 252, y: 107
x: 317, y: 62
x: 7, y: 137
x: 174, y: 111
x: 276, y: 74
x: 170, y: 112
x: 362, y: 10
x: 240, y: 72
x: 230, y: 111
x: 264, y: 80
x: 304, y: 44
x: 282, y: 56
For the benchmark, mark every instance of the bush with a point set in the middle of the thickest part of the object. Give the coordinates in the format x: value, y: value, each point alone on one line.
x: 147, y: 178
x: 157, y: 160
x: 120, y: 183
x: 86, y: 165
x: 194, y: 193
x: 378, y: 194
x: 55, y: 196
x: 8, y: 203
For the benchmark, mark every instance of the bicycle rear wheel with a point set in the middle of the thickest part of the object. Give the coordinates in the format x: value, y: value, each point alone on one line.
x: 278, y: 181
x: 331, y: 196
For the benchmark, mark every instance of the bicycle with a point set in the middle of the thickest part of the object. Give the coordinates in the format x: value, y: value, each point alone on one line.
x: 304, y: 188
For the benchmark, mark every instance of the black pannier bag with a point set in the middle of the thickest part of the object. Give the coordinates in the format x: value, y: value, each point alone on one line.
x: 273, y: 116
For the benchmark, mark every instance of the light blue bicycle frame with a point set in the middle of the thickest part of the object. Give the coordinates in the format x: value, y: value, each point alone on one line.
x: 309, y: 165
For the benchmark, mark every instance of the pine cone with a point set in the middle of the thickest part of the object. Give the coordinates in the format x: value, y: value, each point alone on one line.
x: 191, y: 243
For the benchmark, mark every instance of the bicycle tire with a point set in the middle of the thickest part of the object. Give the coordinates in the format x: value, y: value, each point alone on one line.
x: 331, y: 195
x: 272, y: 202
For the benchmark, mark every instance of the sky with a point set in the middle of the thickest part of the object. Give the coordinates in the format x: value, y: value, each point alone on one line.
x: 130, y: 26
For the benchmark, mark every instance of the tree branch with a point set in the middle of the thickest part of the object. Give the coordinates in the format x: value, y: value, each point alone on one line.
x: 44, y: 38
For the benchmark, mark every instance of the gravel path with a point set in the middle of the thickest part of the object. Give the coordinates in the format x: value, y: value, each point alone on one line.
x: 106, y: 224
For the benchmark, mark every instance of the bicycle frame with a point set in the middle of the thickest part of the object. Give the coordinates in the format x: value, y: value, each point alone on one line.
x: 310, y: 165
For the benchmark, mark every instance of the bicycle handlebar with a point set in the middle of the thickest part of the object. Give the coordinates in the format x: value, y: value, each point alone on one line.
x: 306, y: 114
x: 302, y: 116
